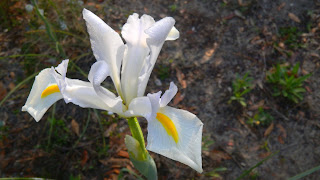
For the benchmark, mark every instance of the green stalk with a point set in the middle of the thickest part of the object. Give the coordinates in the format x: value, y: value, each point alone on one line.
x: 137, y: 134
x: 101, y: 128
x: 52, y: 121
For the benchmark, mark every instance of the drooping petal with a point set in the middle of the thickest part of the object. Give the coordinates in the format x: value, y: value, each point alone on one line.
x: 83, y: 94
x: 79, y: 92
x: 176, y: 134
x: 168, y: 95
x: 39, y: 100
x: 157, y: 33
x: 98, y: 73
x: 136, y: 53
x: 106, y: 45
x: 51, y: 85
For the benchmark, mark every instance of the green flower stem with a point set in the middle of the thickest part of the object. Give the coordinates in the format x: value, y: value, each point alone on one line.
x: 137, y: 134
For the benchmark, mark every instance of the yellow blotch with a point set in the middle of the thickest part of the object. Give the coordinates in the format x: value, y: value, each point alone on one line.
x: 50, y: 90
x: 168, y: 126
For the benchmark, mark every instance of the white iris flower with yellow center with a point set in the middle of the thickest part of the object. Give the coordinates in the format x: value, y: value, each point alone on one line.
x: 173, y: 133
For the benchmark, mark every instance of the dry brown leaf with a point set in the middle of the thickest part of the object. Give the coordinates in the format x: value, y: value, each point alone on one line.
x: 308, y: 89
x: 264, y: 155
x: 315, y: 55
x: 280, y: 139
x: 269, y: 130
x: 85, y: 157
x: 91, y: 4
x: 3, y: 91
x: 12, y: 86
x: 294, y: 17
x: 117, y: 141
x: 217, y: 155
x: 180, y: 77
x: 111, y: 129
x: 208, y: 54
x: 115, y: 161
x: 281, y: 6
x: 178, y: 98
x: 75, y: 127
x: 104, y: 161
x: 12, y: 75
x: 241, y: 120
x: 282, y: 130
x: 123, y: 153
x: 256, y: 106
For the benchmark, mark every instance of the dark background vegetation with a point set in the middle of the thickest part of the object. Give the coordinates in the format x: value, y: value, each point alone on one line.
x: 220, y: 41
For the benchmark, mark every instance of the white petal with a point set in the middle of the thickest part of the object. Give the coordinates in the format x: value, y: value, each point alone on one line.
x: 159, y: 31
x: 133, y: 30
x: 106, y: 45
x: 173, y: 34
x: 98, y: 73
x: 136, y: 53
x: 157, y: 35
x: 187, y: 149
x: 62, y: 68
x: 83, y: 94
x: 155, y: 105
x: 35, y: 105
x: 168, y: 95
x: 139, y: 106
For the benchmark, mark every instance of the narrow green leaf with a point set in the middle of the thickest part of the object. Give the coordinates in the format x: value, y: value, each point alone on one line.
x: 306, y: 173
x: 243, y: 103
x: 24, y: 55
x: 295, y: 68
x: 247, y: 172
x: 120, y: 176
x: 298, y: 90
x: 17, y: 87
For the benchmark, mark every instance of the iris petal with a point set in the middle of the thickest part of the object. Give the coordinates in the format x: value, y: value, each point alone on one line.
x: 106, y: 45
x: 136, y: 53
x: 187, y: 149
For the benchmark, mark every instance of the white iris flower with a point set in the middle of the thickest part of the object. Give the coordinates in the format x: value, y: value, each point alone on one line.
x: 173, y: 133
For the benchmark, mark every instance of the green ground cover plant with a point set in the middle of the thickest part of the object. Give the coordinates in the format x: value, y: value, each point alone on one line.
x: 286, y: 82
x: 240, y: 87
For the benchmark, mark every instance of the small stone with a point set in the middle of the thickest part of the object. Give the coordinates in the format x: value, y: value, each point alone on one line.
x: 158, y: 82
x: 29, y: 7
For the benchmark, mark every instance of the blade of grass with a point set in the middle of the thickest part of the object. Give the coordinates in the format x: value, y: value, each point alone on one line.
x: 59, y: 31
x: 22, y: 178
x: 83, y: 131
x: 120, y: 176
x: 49, y: 30
x: 77, y: 67
x: 17, y: 87
x: 52, y: 122
x: 306, y: 173
x: 25, y: 55
x: 247, y: 172
x: 101, y: 128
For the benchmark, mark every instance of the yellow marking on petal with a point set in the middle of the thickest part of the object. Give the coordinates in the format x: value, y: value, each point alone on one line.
x: 168, y: 126
x: 50, y: 90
